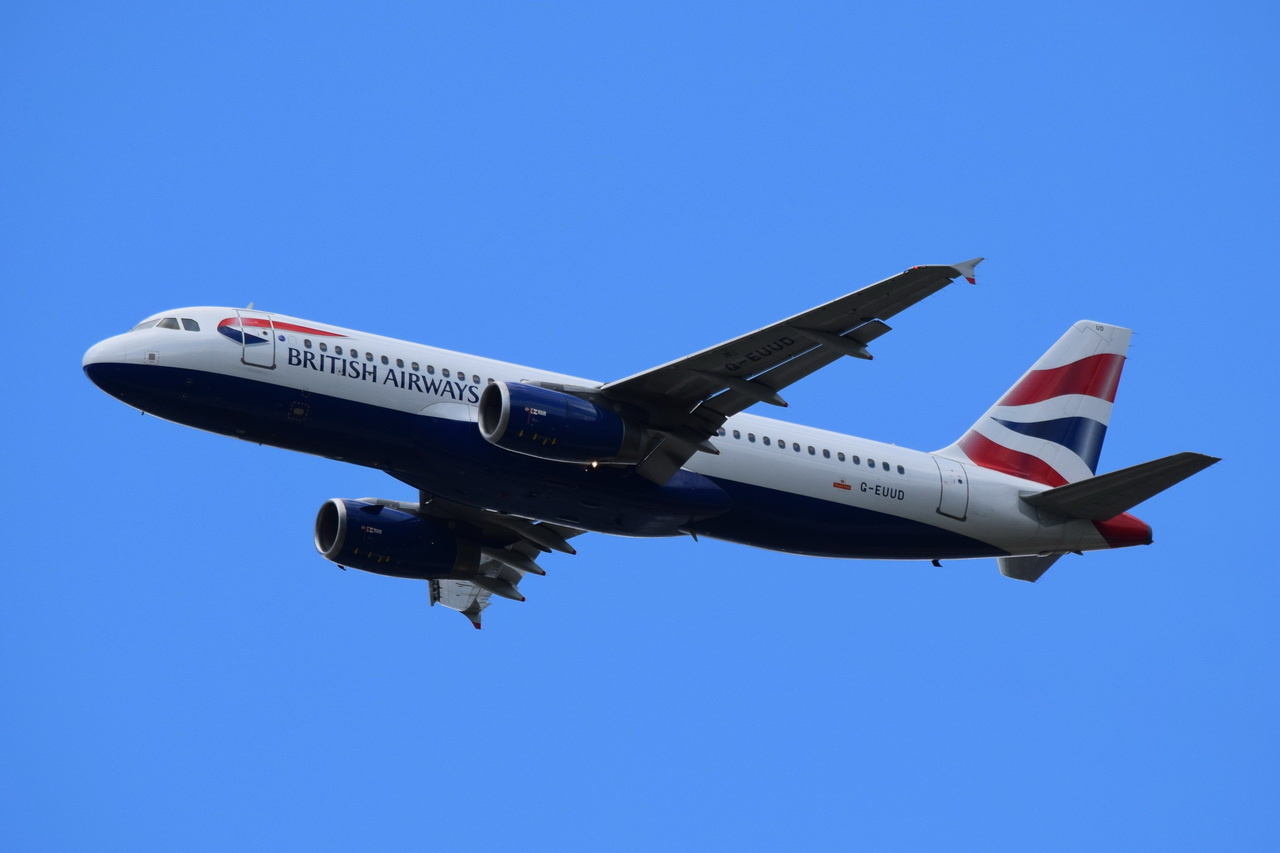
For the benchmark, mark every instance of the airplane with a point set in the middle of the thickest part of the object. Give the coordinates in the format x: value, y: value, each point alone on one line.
x: 512, y: 462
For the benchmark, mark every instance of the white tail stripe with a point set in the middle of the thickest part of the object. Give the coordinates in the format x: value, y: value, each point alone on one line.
x: 1059, y: 458
x: 1066, y: 406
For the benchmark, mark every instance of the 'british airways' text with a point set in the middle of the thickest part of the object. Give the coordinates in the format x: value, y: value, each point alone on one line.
x: 351, y: 368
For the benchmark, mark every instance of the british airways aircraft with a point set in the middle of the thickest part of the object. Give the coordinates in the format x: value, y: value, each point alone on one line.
x: 512, y: 462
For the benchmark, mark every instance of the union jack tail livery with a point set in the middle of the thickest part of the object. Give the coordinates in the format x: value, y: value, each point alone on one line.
x: 1050, y: 425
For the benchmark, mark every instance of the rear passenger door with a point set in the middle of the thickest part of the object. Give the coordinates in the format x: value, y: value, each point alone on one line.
x: 954, y: 499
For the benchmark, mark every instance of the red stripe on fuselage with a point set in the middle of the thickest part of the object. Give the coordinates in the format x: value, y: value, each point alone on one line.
x: 260, y: 323
x: 307, y: 330
x: 1095, y: 376
x: 985, y: 453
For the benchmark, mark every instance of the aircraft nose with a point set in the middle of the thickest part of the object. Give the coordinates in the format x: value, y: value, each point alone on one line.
x: 102, y: 363
x: 96, y: 354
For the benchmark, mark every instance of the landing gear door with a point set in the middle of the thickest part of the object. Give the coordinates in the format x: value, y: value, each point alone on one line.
x: 258, y: 339
x: 954, y: 499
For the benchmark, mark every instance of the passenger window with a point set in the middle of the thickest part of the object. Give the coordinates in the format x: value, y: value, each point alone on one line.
x: 720, y: 431
x: 431, y: 368
x: 737, y: 434
x: 826, y: 454
x: 811, y: 450
x: 168, y: 323
x: 765, y: 440
x: 386, y: 360
x: 840, y: 455
x: 751, y: 436
x: 445, y: 373
x: 337, y: 349
x: 855, y: 460
x: 190, y: 325
x: 476, y: 381
x: 306, y: 342
x: 884, y: 465
x: 324, y: 347
x: 399, y: 362
x: 901, y: 470
x: 368, y: 356
x: 795, y: 445
x: 414, y: 367
x: 871, y: 463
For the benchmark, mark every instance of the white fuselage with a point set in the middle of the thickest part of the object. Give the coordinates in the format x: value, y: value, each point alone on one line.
x: 789, y: 487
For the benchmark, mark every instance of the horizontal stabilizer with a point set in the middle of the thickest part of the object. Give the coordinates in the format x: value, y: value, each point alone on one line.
x: 1026, y: 568
x: 1106, y: 496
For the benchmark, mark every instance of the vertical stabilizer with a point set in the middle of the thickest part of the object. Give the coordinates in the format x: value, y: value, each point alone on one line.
x: 1050, y: 425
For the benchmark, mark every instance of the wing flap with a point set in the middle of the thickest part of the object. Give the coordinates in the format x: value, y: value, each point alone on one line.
x: 470, y: 595
x: 462, y: 596
x: 506, y: 547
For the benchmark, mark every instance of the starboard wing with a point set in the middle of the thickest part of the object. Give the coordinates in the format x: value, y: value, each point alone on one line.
x: 687, y: 400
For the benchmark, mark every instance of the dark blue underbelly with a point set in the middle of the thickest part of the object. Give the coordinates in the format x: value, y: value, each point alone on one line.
x: 446, y: 458
x: 452, y: 460
x: 782, y: 521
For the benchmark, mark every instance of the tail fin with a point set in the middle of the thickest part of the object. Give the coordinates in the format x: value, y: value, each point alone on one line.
x: 1050, y: 425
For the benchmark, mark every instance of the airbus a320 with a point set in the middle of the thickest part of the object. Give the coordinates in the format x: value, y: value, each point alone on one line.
x: 510, y: 463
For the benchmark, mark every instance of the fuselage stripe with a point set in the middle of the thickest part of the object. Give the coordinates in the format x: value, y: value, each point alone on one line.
x: 263, y: 323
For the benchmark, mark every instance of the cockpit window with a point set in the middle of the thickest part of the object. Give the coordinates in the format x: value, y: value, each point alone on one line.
x: 168, y: 323
x: 145, y: 324
x: 193, y: 326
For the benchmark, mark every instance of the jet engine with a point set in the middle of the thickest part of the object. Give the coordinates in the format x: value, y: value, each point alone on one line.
x: 386, y: 541
x: 551, y: 424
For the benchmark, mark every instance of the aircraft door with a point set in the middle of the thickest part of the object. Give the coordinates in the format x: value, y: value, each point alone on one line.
x: 954, y: 499
x: 257, y: 339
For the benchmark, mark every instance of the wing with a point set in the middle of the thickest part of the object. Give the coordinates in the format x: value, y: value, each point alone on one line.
x: 507, y: 549
x: 686, y: 401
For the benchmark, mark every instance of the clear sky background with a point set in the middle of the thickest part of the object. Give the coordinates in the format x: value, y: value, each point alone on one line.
x: 599, y: 188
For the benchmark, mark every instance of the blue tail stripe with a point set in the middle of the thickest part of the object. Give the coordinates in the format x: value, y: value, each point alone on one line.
x: 1082, y: 436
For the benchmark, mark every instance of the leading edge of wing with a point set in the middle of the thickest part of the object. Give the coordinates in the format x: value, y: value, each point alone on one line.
x: 698, y: 376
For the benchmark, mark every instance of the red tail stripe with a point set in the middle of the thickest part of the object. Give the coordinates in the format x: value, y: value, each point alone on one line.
x: 1095, y: 376
x: 987, y: 454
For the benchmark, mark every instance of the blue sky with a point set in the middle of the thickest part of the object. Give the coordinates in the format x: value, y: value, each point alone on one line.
x: 598, y: 189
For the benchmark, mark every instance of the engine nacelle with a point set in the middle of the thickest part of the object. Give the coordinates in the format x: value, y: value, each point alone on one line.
x: 553, y: 425
x: 386, y: 541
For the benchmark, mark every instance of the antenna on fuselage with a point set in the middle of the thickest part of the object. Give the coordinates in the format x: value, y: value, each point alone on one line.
x: 249, y: 307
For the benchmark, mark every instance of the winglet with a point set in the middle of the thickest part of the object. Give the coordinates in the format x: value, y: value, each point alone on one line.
x: 965, y: 268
